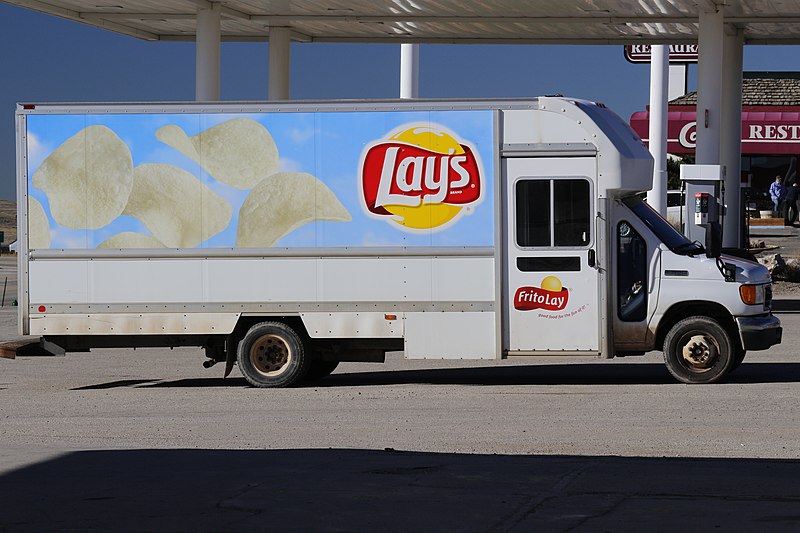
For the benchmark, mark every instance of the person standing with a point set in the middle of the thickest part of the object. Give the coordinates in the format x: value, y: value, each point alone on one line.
x: 775, y: 192
x: 790, y: 205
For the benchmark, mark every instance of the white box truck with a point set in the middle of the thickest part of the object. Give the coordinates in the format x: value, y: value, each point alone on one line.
x: 287, y: 237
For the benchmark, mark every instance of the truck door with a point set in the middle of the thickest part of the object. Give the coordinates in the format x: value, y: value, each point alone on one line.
x: 551, y: 281
x: 635, y: 259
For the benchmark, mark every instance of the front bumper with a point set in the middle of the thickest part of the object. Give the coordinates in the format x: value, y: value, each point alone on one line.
x: 759, y: 332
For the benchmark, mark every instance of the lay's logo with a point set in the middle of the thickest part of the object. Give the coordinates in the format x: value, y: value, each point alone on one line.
x: 420, y: 178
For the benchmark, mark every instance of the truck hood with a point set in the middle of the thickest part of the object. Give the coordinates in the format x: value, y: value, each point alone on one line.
x: 701, y: 267
x: 748, y: 271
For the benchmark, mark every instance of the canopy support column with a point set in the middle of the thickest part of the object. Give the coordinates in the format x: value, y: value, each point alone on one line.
x: 409, y: 71
x: 280, y: 42
x: 659, y: 85
x: 207, y: 53
x: 731, y: 141
x: 709, y: 87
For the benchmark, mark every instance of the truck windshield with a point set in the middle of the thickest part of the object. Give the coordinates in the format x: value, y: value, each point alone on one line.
x: 675, y: 241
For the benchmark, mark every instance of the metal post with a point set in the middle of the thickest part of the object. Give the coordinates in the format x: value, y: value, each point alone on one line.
x: 709, y: 87
x: 280, y: 42
x: 731, y: 143
x: 409, y: 71
x: 659, y: 84
x: 207, y: 53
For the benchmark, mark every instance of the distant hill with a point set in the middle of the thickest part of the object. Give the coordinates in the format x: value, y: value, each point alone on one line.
x: 8, y: 220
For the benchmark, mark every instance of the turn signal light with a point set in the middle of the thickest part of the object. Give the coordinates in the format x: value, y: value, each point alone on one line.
x: 748, y: 294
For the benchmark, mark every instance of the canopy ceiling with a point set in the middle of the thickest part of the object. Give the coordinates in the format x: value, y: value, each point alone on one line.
x: 436, y: 21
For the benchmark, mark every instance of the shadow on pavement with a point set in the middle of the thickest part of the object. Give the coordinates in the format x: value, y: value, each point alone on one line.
x: 363, y: 490
x: 545, y: 374
x: 786, y: 305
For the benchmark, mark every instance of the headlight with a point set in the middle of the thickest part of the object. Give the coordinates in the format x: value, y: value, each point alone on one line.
x: 752, y: 294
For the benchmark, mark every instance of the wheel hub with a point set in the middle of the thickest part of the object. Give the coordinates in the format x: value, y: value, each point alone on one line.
x: 270, y: 354
x: 699, y: 352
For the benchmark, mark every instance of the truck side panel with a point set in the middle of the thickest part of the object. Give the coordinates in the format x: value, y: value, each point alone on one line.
x: 275, y: 285
x: 462, y: 335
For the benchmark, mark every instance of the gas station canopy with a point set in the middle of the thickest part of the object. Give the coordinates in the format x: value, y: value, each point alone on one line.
x: 436, y: 21
x: 720, y: 28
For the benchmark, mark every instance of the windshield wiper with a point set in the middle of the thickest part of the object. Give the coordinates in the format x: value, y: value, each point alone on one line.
x: 689, y: 248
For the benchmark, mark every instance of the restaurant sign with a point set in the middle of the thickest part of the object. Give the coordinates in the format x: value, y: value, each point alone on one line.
x: 678, y: 53
x: 763, y: 132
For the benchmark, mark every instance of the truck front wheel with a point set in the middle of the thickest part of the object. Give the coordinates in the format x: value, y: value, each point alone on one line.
x: 699, y: 350
x: 271, y: 354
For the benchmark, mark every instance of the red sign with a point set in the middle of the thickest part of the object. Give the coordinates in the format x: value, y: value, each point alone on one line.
x: 395, y: 173
x: 530, y: 298
x: 678, y: 53
x: 763, y: 132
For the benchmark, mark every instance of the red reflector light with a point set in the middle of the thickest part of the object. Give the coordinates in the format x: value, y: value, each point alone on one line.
x: 28, y: 106
x: 42, y: 309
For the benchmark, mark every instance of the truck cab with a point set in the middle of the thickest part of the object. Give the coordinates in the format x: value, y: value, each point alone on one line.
x: 637, y: 284
x: 703, y: 312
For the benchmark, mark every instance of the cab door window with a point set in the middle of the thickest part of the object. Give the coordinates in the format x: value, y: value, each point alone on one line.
x: 631, y: 274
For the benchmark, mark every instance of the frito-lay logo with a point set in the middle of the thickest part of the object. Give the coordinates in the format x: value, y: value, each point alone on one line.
x: 421, y: 178
x: 550, y: 296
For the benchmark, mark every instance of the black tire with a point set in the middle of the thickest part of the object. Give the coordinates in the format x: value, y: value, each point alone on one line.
x: 321, y: 369
x: 272, y: 355
x: 699, y: 350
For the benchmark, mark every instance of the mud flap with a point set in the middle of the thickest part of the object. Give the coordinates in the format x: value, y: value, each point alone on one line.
x: 230, y: 355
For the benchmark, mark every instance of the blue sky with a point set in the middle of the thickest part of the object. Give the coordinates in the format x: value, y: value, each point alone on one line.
x: 46, y: 59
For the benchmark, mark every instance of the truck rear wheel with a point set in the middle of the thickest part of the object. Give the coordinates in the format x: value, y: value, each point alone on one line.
x: 271, y: 354
x: 699, y: 350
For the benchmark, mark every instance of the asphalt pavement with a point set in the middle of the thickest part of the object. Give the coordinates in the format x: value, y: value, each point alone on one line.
x: 148, y: 440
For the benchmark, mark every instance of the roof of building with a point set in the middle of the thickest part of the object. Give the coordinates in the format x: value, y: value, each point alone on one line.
x: 761, y: 88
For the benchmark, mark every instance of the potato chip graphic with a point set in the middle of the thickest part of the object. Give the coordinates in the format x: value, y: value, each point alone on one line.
x: 130, y: 239
x: 87, y: 179
x: 282, y: 203
x: 239, y: 152
x: 38, y: 225
x: 178, y: 209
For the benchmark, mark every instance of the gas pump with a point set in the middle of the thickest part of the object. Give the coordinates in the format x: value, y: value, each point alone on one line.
x: 704, y: 186
x: 706, y: 216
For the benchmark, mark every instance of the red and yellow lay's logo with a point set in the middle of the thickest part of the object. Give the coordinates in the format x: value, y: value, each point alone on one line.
x: 420, y: 178
x: 551, y: 296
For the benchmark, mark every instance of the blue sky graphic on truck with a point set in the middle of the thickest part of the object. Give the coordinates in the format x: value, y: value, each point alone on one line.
x: 262, y: 179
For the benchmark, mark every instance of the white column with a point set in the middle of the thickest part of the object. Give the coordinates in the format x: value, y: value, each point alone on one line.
x: 659, y: 84
x: 409, y: 71
x: 731, y: 141
x: 207, y: 53
x: 709, y: 87
x: 280, y: 41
